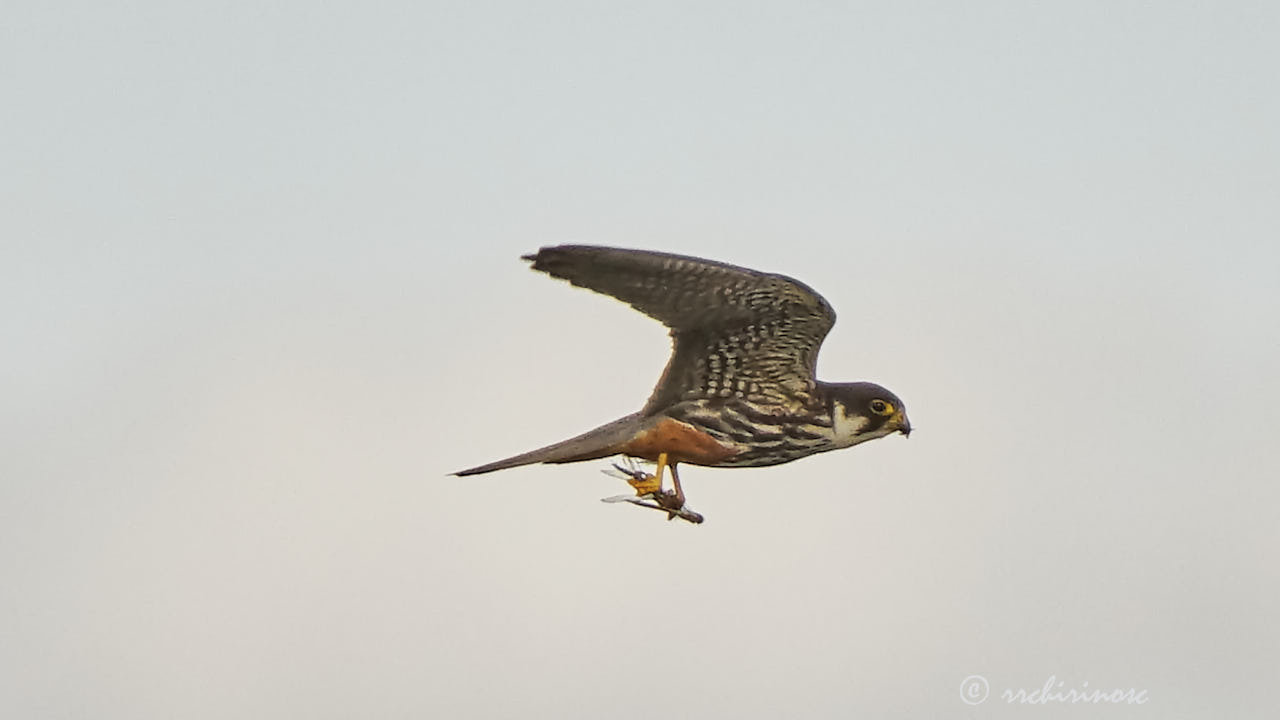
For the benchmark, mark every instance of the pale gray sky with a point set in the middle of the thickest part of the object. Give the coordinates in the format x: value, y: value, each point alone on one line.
x: 261, y: 292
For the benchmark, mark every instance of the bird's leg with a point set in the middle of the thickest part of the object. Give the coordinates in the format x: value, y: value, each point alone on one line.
x: 644, y: 483
x: 675, y: 483
x: 673, y: 501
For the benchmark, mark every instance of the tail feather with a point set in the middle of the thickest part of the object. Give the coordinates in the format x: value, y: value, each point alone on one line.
x: 604, y: 441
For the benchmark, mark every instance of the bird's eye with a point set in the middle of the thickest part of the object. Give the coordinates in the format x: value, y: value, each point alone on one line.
x: 881, y: 407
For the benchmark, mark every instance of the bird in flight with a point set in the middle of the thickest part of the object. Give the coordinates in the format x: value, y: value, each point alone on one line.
x: 740, y: 388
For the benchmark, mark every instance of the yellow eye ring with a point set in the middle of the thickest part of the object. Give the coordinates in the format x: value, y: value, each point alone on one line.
x: 880, y: 407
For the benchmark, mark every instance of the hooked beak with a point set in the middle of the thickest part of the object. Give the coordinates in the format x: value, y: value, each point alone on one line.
x: 900, y: 423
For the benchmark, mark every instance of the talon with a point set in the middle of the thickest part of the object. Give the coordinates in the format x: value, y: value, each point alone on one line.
x: 669, y: 501
x: 645, y: 484
x: 640, y: 481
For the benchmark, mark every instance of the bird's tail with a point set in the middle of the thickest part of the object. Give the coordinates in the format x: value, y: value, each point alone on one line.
x: 604, y: 441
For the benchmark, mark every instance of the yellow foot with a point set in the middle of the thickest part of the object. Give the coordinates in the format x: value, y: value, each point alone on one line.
x: 640, y: 481
x: 644, y: 483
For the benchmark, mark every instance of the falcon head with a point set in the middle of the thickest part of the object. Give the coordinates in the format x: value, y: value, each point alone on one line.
x: 865, y: 411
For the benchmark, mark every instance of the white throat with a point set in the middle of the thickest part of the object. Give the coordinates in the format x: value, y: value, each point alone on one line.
x: 849, y: 429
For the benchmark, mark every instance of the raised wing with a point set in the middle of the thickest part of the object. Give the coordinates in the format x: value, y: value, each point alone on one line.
x: 736, y: 332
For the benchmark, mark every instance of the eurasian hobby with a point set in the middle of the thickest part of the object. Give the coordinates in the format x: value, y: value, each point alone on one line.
x: 739, y: 389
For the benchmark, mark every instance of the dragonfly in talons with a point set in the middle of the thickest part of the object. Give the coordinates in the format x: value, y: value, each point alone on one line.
x: 649, y: 492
